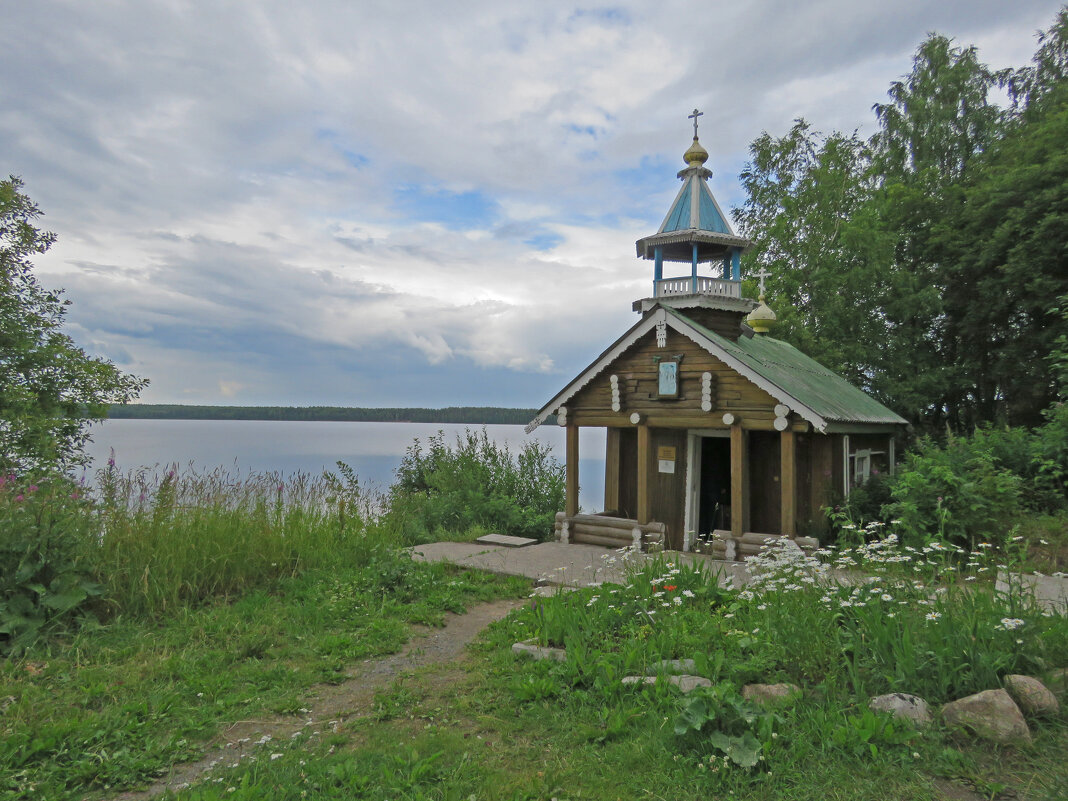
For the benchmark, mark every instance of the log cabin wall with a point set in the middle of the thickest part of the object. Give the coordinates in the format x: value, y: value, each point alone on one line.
x: 667, y: 491
x: 725, y: 323
x: 765, y: 496
x: 637, y: 374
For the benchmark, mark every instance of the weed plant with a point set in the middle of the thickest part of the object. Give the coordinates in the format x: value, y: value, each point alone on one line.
x: 447, y: 489
x: 171, y: 539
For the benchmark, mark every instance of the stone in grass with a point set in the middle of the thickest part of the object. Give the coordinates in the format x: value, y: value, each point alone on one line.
x: 903, y: 706
x: 539, y: 652
x: 685, y: 683
x: 771, y: 694
x: 689, y: 683
x: 672, y: 666
x: 990, y: 715
x: 1032, y: 696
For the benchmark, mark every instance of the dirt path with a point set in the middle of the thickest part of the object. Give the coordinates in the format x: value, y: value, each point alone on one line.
x: 328, y: 705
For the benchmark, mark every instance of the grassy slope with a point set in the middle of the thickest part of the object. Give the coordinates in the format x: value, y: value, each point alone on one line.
x: 115, y: 706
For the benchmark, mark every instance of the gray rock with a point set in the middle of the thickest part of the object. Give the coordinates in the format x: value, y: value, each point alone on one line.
x: 990, y: 715
x: 672, y: 666
x: 685, y: 683
x: 771, y: 694
x: 539, y: 652
x: 904, y: 707
x: 689, y: 683
x: 1032, y: 696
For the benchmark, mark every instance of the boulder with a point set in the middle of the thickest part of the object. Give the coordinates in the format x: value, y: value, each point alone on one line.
x: 903, y: 706
x: 689, y: 683
x: 771, y: 694
x: 672, y: 666
x: 990, y: 715
x: 539, y: 652
x: 685, y: 683
x: 1032, y: 696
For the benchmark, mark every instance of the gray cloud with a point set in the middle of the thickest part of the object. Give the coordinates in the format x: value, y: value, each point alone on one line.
x: 226, y: 179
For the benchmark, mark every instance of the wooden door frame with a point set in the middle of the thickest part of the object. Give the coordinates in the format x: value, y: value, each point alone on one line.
x: 693, y: 479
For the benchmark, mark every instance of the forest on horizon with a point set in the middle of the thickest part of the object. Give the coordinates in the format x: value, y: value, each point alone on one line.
x: 474, y: 415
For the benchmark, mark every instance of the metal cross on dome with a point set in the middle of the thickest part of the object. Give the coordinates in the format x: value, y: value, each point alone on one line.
x: 762, y: 274
x: 694, y: 117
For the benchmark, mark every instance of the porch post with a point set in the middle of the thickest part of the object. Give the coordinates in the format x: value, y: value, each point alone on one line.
x: 644, y: 449
x: 571, y: 458
x: 611, y: 470
x: 739, y: 480
x: 788, y: 482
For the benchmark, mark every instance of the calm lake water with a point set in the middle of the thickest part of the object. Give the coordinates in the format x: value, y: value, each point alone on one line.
x: 373, y: 450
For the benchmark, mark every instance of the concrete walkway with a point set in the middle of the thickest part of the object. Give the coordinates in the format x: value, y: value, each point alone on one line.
x: 554, y: 563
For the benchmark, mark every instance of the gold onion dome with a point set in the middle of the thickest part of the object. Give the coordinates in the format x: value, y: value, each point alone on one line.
x: 696, y: 156
x: 762, y: 318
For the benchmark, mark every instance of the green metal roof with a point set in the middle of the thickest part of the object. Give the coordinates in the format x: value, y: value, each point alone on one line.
x: 801, y: 377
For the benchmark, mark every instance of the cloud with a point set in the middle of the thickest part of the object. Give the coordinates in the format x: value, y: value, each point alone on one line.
x: 400, y: 203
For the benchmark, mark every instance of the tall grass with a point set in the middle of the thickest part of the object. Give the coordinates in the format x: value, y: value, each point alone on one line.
x: 170, y: 539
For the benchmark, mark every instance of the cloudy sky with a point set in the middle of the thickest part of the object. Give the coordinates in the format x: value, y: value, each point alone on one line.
x: 407, y: 203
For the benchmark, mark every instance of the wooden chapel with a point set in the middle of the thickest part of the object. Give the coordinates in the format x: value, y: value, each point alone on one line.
x: 715, y: 430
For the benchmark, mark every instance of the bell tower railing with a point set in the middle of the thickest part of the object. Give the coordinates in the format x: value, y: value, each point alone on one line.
x: 698, y: 285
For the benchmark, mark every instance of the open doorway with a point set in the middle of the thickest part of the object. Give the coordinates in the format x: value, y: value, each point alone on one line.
x: 710, y: 483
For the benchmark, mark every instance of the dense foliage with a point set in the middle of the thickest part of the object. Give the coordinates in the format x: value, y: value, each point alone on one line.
x: 969, y: 488
x: 927, y: 262
x: 50, y: 390
x: 476, y: 483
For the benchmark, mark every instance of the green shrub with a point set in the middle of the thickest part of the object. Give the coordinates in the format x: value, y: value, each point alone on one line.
x: 955, y: 492
x: 47, y: 535
x: 475, y: 483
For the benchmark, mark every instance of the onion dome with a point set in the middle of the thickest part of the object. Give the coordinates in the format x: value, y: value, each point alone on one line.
x: 762, y: 318
x: 696, y: 156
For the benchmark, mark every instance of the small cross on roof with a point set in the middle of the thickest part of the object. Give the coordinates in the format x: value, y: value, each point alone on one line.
x: 762, y: 274
x: 694, y: 117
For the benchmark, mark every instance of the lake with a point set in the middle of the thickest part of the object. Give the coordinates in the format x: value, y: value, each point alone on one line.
x: 373, y: 450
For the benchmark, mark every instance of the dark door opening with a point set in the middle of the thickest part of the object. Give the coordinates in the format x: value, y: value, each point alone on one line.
x: 714, y: 503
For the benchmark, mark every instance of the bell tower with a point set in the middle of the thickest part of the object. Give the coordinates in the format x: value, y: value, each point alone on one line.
x: 696, y: 233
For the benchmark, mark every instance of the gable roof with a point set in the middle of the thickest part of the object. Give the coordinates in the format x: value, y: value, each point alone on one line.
x: 818, y: 395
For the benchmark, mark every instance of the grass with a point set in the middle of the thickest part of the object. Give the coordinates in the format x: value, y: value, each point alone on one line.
x: 499, y: 727
x: 115, y: 706
x: 212, y: 600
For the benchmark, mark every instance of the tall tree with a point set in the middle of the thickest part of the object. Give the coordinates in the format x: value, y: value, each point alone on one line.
x: 50, y: 390
x: 938, y: 121
x: 1004, y: 247
x: 808, y: 210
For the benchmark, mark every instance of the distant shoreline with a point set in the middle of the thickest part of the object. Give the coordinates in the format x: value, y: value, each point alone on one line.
x: 472, y: 415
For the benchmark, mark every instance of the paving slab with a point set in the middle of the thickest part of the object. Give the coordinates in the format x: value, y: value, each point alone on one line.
x: 1051, y: 592
x: 566, y: 565
x: 507, y: 540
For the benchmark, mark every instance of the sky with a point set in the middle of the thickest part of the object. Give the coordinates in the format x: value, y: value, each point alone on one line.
x: 407, y: 203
